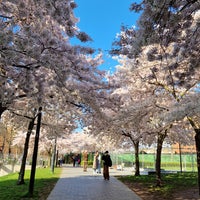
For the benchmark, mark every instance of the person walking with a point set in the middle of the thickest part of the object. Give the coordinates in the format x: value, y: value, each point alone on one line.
x: 74, y: 160
x: 107, y: 162
x: 99, y: 164
x: 78, y: 160
x: 95, y: 162
x: 85, y: 160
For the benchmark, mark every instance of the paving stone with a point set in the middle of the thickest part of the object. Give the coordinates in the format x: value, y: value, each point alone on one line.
x: 74, y: 184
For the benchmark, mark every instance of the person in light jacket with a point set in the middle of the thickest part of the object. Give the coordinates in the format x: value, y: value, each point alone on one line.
x: 99, y: 164
x: 95, y: 162
x: 85, y: 160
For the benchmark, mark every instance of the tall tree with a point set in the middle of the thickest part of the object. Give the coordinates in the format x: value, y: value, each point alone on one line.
x: 36, y: 53
x: 39, y: 66
x: 166, y: 44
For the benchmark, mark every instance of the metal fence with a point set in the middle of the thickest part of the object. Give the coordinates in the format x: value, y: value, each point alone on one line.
x: 171, y: 161
x: 185, y: 162
x: 10, y: 163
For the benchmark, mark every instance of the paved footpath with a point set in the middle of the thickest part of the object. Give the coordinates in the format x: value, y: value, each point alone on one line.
x: 74, y: 184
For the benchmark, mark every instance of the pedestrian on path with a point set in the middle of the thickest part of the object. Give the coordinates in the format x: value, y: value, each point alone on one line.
x: 74, y: 184
x: 95, y: 162
x: 85, y: 160
x: 99, y: 164
x: 74, y: 160
x: 107, y: 162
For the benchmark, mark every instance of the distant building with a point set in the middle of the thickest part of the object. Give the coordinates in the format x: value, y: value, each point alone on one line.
x: 170, y: 149
x: 176, y: 148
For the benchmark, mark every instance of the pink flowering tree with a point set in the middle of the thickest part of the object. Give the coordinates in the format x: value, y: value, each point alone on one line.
x: 166, y: 50
x: 39, y: 66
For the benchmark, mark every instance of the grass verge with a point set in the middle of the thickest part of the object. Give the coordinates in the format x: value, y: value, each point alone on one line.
x: 45, y: 180
x: 145, y: 186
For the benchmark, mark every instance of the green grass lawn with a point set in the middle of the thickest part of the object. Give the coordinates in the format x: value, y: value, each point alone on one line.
x: 44, y: 183
x: 171, y: 183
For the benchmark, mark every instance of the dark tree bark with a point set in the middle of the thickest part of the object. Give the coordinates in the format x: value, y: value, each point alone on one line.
x: 35, y: 152
x: 25, y: 153
x: 137, y: 161
x: 197, y: 143
x: 160, y: 140
x: 136, y: 147
x: 53, y: 156
x: 2, y: 109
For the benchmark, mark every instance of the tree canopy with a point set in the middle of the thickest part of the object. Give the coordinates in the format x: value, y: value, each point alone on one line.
x: 158, y: 72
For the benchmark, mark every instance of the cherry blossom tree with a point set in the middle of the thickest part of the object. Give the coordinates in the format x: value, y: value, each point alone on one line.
x: 39, y: 66
x: 165, y: 45
x: 36, y: 53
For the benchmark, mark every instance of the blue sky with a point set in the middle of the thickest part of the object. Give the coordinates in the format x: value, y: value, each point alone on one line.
x: 101, y: 20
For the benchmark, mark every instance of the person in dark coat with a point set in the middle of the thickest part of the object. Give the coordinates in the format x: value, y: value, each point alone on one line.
x: 107, y: 162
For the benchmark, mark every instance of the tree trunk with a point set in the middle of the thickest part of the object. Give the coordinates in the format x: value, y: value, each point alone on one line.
x: 160, y: 141
x: 49, y: 152
x: 3, y: 146
x: 53, y: 156
x: 197, y: 141
x: 136, y: 146
x: 137, y: 162
x: 35, y: 152
x: 2, y: 109
x: 25, y: 153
